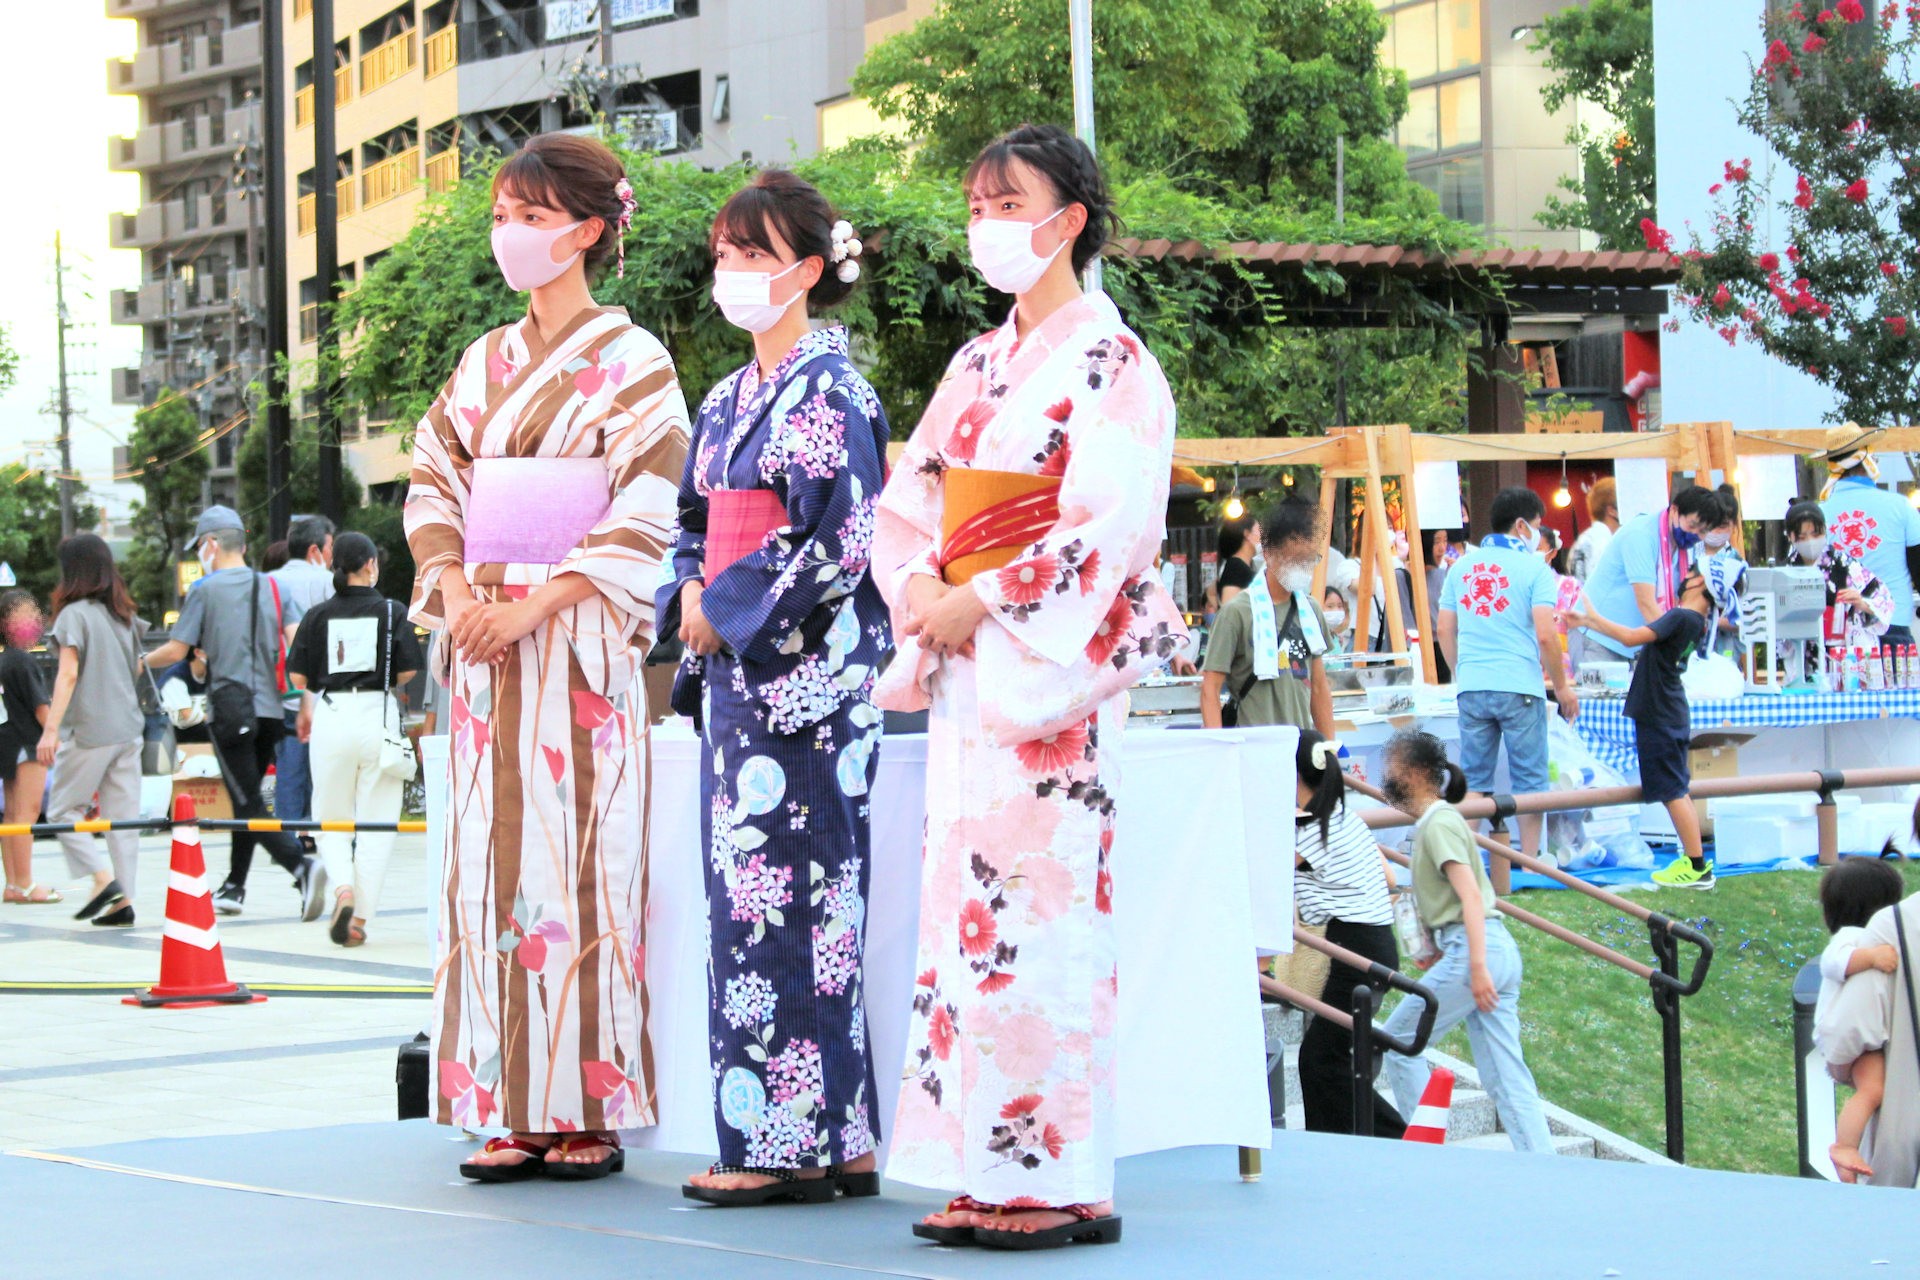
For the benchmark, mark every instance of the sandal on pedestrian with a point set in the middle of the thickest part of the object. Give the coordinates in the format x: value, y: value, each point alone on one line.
x: 356, y: 935
x: 109, y: 893
x: 342, y: 918
x: 854, y: 1186
x: 32, y: 895
x: 121, y: 917
x: 1088, y: 1228
x: 519, y: 1171
x: 955, y: 1236
x: 787, y: 1187
x: 585, y: 1171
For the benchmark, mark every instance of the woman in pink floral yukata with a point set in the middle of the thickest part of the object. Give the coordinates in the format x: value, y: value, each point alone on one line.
x: 1015, y: 544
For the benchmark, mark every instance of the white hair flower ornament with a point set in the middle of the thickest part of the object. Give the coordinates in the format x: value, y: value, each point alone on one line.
x: 846, y: 248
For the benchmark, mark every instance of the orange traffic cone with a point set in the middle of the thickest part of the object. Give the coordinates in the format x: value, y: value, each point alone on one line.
x: 193, y: 973
x: 1428, y: 1123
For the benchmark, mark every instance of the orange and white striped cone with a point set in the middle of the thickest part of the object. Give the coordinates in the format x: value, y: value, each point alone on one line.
x: 193, y: 973
x: 1428, y: 1123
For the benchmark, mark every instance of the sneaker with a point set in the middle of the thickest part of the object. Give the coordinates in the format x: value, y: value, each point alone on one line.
x: 1681, y: 874
x: 229, y: 899
x: 312, y: 883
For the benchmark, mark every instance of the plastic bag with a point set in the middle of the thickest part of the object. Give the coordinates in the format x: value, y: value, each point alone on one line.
x: 1587, y: 839
x: 1713, y: 677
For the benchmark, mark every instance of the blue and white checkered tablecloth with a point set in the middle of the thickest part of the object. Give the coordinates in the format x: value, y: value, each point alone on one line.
x: 1603, y: 724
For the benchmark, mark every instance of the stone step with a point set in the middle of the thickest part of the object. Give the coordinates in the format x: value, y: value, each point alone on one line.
x: 1564, y: 1144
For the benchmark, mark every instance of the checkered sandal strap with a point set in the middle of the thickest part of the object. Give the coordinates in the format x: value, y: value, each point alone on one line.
x: 778, y: 1175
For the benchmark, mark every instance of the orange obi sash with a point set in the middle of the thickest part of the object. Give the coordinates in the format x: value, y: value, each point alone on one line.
x: 989, y: 516
x: 738, y: 522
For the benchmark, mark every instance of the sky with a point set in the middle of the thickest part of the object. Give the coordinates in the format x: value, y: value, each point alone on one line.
x: 53, y: 84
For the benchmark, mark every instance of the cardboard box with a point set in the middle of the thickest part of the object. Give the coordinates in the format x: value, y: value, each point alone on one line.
x: 209, y: 795
x: 1714, y: 762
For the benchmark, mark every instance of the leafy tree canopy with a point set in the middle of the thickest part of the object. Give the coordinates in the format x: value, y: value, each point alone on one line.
x: 303, y: 483
x: 1602, y: 53
x: 30, y: 526
x: 166, y: 447
x: 1832, y: 289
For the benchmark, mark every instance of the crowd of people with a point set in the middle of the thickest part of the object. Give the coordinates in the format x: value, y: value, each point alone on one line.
x: 570, y: 520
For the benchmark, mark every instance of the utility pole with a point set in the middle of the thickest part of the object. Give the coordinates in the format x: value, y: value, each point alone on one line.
x: 326, y: 228
x: 1080, y: 42
x: 273, y: 161
x: 66, y: 402
x: 606, y: 59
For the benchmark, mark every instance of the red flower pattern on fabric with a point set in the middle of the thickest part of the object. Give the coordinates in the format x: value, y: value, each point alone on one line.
x: 978, y: 929
x: 940, y: 1032
x: 965, y: 440
x: 1089, y: 569
x: 1111, y: 631
x: 1024, y: 1105
x: 1061, y: 411
x: 1055, y: 753
x: 1026, y: 582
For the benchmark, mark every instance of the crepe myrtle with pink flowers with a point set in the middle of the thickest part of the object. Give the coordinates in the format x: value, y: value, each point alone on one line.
x: 1832, y: 289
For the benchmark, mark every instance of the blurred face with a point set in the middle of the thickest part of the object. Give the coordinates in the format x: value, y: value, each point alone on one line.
x: 22, y: 626
x: 1690, y: 523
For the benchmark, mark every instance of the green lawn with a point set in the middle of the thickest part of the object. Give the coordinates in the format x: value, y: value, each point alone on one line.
x: 1593, y: 1041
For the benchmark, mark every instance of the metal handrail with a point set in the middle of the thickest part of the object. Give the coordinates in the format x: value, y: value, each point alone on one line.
x: 1664, y: 934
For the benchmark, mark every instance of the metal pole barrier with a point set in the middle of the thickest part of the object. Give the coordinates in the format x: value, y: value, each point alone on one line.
x: 1363, y: 1061
x: 1806, y: 993
x: 1666, y: 1003
x: 1827, y: 817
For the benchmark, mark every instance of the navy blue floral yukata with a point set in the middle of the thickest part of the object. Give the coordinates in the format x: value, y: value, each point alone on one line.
x: 791, y: 743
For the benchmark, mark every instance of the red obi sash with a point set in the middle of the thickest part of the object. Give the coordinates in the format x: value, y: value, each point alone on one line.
x: 738, y: 522
x: 989, y: 516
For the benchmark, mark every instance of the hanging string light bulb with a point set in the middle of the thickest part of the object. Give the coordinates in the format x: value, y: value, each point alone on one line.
x: 1563, y: 496
x: 1235, y: 508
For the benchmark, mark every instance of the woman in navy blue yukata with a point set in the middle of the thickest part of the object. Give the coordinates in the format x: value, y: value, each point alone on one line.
x: 784, y: 632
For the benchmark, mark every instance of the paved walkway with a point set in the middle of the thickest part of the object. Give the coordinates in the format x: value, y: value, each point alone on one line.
x: 78, y: 1070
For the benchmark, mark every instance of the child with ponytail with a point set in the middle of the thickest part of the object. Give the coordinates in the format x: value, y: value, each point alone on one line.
x: 1341, y: 880
x: 1477, y: 977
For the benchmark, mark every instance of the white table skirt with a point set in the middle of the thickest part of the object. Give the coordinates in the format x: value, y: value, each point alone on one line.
x: 1202, y: 865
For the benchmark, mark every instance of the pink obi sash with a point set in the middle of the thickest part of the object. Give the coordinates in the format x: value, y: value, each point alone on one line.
x: 988, y: 516
x: 738, y: 522
x: 533, y: 510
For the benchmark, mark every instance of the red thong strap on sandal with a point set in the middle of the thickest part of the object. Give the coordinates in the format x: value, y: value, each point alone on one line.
x: 496, y: 1145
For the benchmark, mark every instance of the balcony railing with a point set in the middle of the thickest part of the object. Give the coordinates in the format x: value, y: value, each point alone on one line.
x: 301, y: 8
x: 383, y: 181
x: 388, y: 62
x: 443, y: 169
x: 306, y: 213
x: 310, y: 322
x: 342, y: 84
x: 303, y: 107
x: 443, y: 50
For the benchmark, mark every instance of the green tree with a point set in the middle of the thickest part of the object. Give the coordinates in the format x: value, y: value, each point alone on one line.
x: 30, y: 526
x: 1833, y: 289
x: 1180, y: 89
x: 9, y: 360
x: 1169, y: 78
x: 173, y: 463
x: 1602, y: 53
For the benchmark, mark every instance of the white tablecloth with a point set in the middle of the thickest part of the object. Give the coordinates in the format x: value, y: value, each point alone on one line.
x: 1202, y: 864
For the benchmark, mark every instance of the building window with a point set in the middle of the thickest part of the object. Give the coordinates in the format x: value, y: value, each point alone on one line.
x: 1460, y: 182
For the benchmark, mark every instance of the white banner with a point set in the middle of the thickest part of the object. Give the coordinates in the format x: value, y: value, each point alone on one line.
x: 567, y: 18
x: 1641, y: 484
x: 1436, y: 491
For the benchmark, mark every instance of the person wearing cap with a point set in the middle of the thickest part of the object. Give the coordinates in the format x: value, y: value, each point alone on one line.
x: 306, y: 579
x: 1875, y: 526
x: 240, y: 620
x: 1657, y: 705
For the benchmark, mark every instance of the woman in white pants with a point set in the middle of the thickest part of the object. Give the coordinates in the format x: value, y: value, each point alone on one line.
x: 351, y: 654
x: 92, y: 733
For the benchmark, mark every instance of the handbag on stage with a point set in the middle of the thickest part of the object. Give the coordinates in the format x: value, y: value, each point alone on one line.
x: 738, y: 524
x: 989, y: 517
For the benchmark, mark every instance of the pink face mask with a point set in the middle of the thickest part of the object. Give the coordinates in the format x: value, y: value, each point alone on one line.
x: 525, y: 254
x: 24, y: 632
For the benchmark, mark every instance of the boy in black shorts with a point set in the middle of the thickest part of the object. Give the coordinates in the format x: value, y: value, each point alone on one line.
x: 1657, y: 705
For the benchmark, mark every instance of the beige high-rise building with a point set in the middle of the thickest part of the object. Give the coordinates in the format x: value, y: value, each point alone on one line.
x: 1476, y: 132
x: 197, y: 76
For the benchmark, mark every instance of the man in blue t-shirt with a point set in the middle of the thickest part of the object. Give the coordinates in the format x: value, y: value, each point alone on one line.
x: 1496, y: 631
x: 1628, y: 586
x: 1875, y: 526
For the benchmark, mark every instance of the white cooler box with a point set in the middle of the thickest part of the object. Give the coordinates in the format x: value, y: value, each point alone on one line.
x: 1749, y: 830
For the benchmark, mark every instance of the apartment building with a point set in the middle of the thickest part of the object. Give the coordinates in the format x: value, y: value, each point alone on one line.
x: 197, y: 76
x: 1476, y: 132
x: 419, y: 86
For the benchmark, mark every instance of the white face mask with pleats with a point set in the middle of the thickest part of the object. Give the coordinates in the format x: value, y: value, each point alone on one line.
x: 1002, y: 251
x: 745, y: 298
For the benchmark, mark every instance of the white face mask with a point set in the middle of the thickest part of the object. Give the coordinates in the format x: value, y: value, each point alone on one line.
x: 1003, y: 252
x: 745, y: 298
x: 1717, y: 539
x: 1532, y: 538
x: 1810, y: 550
x: 206, y: 557
x: 1336, y: 618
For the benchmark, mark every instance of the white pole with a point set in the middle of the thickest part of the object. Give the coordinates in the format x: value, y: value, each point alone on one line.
x: 1080, y: 41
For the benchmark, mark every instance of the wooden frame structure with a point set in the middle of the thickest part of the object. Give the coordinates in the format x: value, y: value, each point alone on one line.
x: 1375, y: 452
